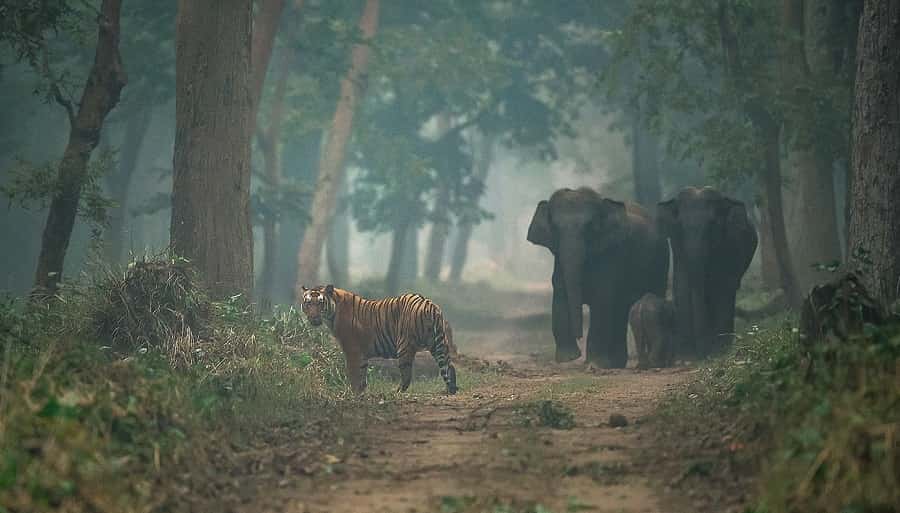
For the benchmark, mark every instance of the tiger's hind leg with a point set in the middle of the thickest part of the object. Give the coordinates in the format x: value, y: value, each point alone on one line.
x: 440, y: 351
x: 406, y: 356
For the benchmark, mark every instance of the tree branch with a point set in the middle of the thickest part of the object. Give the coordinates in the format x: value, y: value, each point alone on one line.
x: 54, y: 84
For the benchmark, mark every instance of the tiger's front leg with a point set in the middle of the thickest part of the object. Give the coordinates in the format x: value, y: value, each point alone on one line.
x: 356, y: 371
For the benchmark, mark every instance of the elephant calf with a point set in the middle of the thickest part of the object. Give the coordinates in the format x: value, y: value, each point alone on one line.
x: 652, y: 321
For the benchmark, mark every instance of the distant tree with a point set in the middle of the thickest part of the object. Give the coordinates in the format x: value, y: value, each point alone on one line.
x: 331, y: 169
x: 211, y: 223
x: 733, y: 93
x: 875, y: 202
x: 26, y: 29
x: 148, y: 40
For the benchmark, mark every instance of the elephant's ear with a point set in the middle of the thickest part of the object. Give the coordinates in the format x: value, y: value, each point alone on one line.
x: 666, y: 216
x: 540, y: 232
x: 609, y: 226
x: 739, y: 233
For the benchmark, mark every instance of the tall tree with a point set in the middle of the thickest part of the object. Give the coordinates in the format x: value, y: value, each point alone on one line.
x: 269, y: 140
x: 440, y: 217
x: 211, y: 185
x: 484, y: 156
x: 331, y: 169
x: 99, y: 97
x: 816, y: 88
x: 875, y: 208
x: 119, y: 181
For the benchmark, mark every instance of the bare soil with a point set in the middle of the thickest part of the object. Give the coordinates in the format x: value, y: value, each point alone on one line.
x: 473, y: 452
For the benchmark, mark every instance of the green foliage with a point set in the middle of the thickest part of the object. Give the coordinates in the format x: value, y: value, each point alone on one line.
x: 546, y: 413
x: 33, y: 187
x: 824, y: 420
x: 713, y: 68
x: 85, y: 426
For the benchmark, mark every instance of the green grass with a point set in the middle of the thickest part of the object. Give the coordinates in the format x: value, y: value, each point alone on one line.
x: 821, y: 422
x: 126, y: 381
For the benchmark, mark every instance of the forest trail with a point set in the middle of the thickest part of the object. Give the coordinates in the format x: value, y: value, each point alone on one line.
x: 475, y: 452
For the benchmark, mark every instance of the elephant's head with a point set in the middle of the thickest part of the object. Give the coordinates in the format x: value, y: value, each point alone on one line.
x: 699, y: 221
x: 577, y: 225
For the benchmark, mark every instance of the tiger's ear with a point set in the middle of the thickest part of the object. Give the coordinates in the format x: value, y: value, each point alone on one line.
x: 329, y: 290
x: 304, y: 289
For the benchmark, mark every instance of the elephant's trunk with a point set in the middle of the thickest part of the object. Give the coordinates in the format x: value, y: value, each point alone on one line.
x: 572, y: 260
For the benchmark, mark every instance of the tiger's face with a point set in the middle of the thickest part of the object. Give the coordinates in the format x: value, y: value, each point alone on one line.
x: 318, y: 304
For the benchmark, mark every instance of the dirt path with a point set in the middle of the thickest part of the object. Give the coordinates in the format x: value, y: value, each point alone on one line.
x: 475, y: 452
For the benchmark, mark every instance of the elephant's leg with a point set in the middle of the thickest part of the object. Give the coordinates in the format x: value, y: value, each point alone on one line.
x: 607, y: 344
x: 722, y: 313
x: 681, y: 294
x: 618, y: 338
x: 566, y: 347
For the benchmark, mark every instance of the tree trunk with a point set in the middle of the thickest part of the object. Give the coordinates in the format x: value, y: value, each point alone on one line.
x: 645, y: 161
x: 270, y: 144
x: 853, y: 13
x: 399, y: 243
x: 100, y: 95
x: 769, y: 132
x: 810, y: 26
x: 211, y: 184
x: 440, y: 230
x: 771, y: 185
x: 331, y: 169
x: 875, y: 209
x: 409, y: 259
x: 466, y: 226
x: 768, y: 262
x: 265, y: 26
x: 119, y: 182
x: 337, y: 248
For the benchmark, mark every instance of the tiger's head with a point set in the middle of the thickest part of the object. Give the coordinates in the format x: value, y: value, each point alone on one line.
x: 318, y: 304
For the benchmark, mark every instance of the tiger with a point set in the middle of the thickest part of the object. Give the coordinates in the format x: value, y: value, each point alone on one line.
x: 394, y: 328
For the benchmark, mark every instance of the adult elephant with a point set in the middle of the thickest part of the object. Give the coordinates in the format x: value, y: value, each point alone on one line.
x: 712, y: 244
x: 607, y: 255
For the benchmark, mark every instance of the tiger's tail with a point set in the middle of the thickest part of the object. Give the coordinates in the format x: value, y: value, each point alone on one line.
x: 440, y: 350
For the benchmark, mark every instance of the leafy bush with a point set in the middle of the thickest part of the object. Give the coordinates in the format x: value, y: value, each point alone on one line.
x: 823, y: 419
x: 108, y: 391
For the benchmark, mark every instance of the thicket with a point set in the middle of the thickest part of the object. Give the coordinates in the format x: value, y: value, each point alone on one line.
x: 125, y: 380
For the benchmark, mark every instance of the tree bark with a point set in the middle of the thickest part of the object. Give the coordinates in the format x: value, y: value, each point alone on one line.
x: 440, y: 224
x: 440, y: 230
x: 331, y: 169
x: 270, y: 144
x: 771, y: 180
x: 337, y: 249
x: 875, y: 209
x: 119, y: 182
x: 768, y: 262
x: 399, y: 244
x: 768, y: 130
x: 100, y: 95
x: 466, y: 226
x: 265, y: 26
x: 213, y: 117
x: 808, y: 51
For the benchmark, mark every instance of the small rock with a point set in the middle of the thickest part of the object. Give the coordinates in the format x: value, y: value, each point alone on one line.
x: 617, y: 420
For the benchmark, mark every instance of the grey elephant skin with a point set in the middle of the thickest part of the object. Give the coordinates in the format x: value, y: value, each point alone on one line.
x: 652, y: 321
x: 712, y: 244
x: 607, y: 255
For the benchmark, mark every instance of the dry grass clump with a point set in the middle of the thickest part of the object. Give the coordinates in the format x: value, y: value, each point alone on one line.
x: 155, y: 304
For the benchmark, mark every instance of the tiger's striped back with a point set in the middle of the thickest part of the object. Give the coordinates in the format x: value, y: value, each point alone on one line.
x: 395, y: 327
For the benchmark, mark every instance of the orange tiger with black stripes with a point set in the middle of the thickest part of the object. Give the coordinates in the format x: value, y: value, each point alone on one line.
x: 394, y: 327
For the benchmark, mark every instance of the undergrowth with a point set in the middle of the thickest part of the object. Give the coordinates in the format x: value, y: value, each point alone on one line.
x: 126, y: 381
x: 820, y: 421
